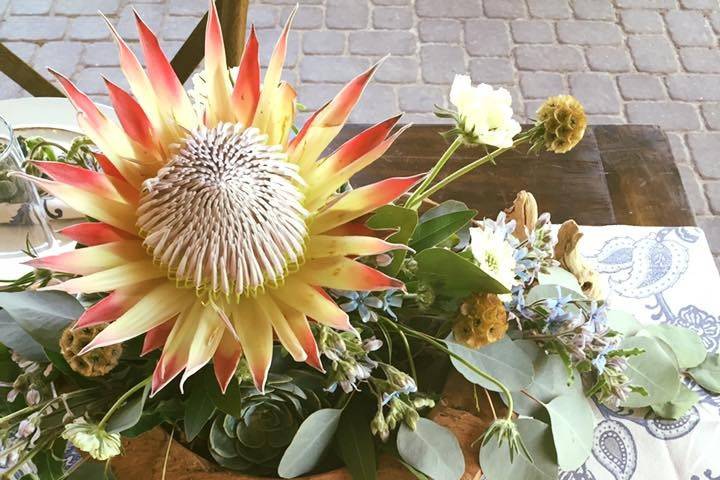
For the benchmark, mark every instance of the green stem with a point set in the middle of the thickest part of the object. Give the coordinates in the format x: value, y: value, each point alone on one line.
x: 120, y: 401
x: 411, y: 360
x: 437, y: 344
x: 471, y: 166
x: 413, y: 202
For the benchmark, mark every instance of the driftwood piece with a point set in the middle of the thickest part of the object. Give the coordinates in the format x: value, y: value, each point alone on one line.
x: 568, y: 254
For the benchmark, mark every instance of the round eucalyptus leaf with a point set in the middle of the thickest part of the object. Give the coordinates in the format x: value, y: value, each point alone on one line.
x: 545, y: 291
x: 537, y: 437
x: 656, y: 370
x: 687, y: 345
x: 310, y: 443
x: 571, y: 419
x: 431, y: 449
x: 683, y: 401
x: 623, y: 322
x: 503, y: 360
x: 559, y: 276
x: 707, y: 374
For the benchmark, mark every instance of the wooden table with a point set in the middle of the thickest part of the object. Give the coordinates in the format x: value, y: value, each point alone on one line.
x: 618, y: 174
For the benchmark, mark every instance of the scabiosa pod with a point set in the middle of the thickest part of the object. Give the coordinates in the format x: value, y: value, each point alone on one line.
x: 217, y: 233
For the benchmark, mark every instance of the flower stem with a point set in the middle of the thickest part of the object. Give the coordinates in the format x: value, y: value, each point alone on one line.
x: 120, y: 401
x: 437, y: 344
x: 414, y: 200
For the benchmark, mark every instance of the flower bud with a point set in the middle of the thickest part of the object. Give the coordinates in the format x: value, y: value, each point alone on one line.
x: 562, y: 123
x: 95, y: 363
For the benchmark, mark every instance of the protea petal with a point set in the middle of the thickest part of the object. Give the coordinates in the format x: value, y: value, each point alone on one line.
x: 344, y: 274
x: 312, y: 302
x: 177, y: 347
x: 156, y: 307
x: 267, y: 308
x: 282, y: 115
x: 111, y: 279
x: 107, y: 166
x: 156, y: 337
x: 206, y: 338
x: 321, y: 246
x: 256, y: 338
x: 226, y: 359
x: 94, y: 233
x: 219, y: 108
x: 82, y: 178
x: 359, y: 229
x: 246, y: 93
x: 361, y: 201
x: 109, y: 308
x: 301, y: 329
x: 84, y: 261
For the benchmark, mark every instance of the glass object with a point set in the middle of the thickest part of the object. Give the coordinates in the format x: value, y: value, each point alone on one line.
x: 23, y: 222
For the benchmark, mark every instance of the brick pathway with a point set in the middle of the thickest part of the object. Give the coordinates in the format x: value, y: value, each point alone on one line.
x: 638, y: 61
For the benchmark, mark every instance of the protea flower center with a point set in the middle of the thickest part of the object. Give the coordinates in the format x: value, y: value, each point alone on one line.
x: 226, y: 214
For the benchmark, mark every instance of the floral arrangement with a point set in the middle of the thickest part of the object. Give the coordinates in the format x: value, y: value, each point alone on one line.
x: 232, y: 287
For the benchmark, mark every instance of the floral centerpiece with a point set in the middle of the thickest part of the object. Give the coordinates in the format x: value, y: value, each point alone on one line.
x: 231, y: 287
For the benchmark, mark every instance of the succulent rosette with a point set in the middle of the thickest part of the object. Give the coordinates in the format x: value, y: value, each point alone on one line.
x: 216, y: 234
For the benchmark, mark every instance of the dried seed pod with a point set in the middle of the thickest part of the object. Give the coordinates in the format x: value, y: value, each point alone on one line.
x: 567, y: 253
x: 95, y: 363
x: 524, y: 211
x: 563, y: 120
x: 482, y: 320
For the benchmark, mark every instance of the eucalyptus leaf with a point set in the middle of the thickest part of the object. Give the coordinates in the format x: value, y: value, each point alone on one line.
x: 687, y: 345
x: 623, y: 322
x: 707, y: 374
x: 129, y: 414
x: 571, y: 420
x: 199, y: 409
x: 656, y: 370
x: 43, y: 315
x: 355, y: 442
x: 537, y: 438
x: 453, y: 275
x: 559, y: 276
x: 679, y: 406
x: 404, y: 220
x: 542, y: 292
x: 14, y: 337
x: 502, y: 359
x: 310, y: 443
x: 436, y: 230
x: 432, y: 449
x: 448, y: 206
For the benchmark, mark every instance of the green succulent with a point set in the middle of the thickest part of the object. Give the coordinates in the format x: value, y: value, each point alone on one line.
x: 257, y: 440
x: 8, y: 189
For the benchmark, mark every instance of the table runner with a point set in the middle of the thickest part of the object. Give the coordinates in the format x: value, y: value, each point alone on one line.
x: 661, y: 275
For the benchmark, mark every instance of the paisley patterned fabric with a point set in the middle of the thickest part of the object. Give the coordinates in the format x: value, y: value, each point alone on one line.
x: 661, y: 275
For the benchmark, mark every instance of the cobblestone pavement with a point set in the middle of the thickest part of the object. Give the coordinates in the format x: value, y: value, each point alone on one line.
x: 636, y: 61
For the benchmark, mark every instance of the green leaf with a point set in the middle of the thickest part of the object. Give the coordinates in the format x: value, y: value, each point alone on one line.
x: 683, y: 401
x: 310, y: 443
x: 451, y: 274
x: 14, y: 337
x: 623, y: 322
x: 129, y: 414
x: 403, y: 219
x: 431, y: 449
x: 199, y: 409
x: 537, y: 437
x: 355, y: 442
x: 571, y: 420
x: 542, y: 292
x: 707, y: 374
x: 503, y: 360
x: 559, y: 276
x: 43, y: 315
x: 687, y: 345
x: 228, y: 402
x: 655, y: 370
x: 433, y: 231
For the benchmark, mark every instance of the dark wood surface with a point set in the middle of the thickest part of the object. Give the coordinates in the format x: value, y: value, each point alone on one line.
x: 618, y: 174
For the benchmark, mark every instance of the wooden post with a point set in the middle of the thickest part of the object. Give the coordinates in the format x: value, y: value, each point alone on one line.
x: 233, y: 20
x: 25, y: 76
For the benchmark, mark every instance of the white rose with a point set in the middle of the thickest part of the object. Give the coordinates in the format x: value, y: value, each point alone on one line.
x: 485, y: 114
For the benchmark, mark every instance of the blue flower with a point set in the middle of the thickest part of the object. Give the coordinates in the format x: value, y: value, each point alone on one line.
x: 600, y: 361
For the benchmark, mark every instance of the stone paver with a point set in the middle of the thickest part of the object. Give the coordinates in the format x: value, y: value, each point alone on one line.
x: 638, y: 61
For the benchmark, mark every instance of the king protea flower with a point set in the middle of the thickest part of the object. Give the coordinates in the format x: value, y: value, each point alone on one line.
x: 217, y: 233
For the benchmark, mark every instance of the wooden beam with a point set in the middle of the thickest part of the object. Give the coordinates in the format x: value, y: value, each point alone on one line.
x: 25, y: 76
x: 191, y: 52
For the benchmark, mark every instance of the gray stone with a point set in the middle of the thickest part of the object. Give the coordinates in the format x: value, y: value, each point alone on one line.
x: 448, y: 8
x: 642, y: 21
x: 532, y: 31
x: 346, y: 14
x: 668, y: 115
x: 653, y: 53
x: 589, y: 33
x: 711, y: 227
x: 605, y: 119
x: 704, y: 148
x: 700, y: 4
x: 382, y: 43
x: 90, y: 80
x: 10, y: 89
x: 398, y: 70
x: 593, y: 10
x: 645, y: 3
x: 291, y: 2
x: 152, y: 14
x: 714, y: 18
x: 188, y: 7
x: 30, y: 7
x: 711, y: 113
x: 678, y: 148
x: 101, y: 54
x: 80, y: 7
x: 700, y: 60
x: 439, y: 30
x: 267, y: 40
x: 306, y: 17
x: 61, y: 56
x: 420, y: 118
x: 549, y: 8
x: 88, y: 28
x: 504, y: 8
x: 323, y: 42
x: 379, y: 102
x: 328, y: 69
x: 693, y: 190
x: 487, y: 38
x: 531, y: 108
x: 440, y: 63
x: 420, y: 98
x: 263, y: 16
x: 694, y: 87
x: 689, y: 28
x: 178, y: 28
x: 641, y: 87
x: 608, y: 59
x: 33, y: 28
x: 392, y: 2
x: 492, y: 70
x: 24, y: 50
x: 557, y: 58
x: 596, y: 92
x: 314, y: 96
x: 712, y: 191
x: 541, y: 85
x: 392, y: 18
